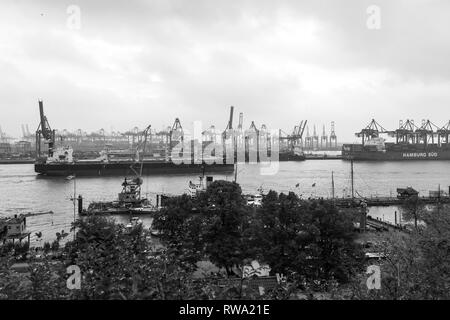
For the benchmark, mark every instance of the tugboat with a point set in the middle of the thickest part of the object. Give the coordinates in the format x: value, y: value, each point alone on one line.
x: 129, y: 201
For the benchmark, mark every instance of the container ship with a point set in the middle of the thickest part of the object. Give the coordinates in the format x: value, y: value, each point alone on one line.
x: 411, y: 142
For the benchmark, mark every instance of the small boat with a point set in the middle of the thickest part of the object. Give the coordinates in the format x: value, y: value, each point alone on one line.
x: 196, y: 188
x: 255, y: 199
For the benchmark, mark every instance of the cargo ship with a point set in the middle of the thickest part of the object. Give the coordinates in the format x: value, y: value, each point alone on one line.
x: 62, y: 163
x: 59, y: 161
x: 427, y: 142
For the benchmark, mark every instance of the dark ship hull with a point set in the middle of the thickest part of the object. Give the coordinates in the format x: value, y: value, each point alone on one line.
x: 123, y: 168
x: 396, y: 152
x: 290, y: 156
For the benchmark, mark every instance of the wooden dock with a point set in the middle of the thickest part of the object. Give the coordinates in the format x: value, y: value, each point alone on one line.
x: 381, y: 225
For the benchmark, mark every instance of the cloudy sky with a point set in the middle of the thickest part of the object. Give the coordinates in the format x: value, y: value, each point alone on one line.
x: 139, y: 62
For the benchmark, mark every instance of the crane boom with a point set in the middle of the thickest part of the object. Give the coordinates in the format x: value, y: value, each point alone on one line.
x: 44, y: 129
x: 303, y: 129
x: 230, y: 122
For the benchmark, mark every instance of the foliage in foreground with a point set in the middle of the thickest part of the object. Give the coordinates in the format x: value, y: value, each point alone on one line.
x: 309, y: 241
x: 417, y: 265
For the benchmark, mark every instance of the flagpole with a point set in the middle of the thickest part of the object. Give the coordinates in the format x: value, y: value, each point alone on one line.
x: 74, y: 203
x: 332, y: 184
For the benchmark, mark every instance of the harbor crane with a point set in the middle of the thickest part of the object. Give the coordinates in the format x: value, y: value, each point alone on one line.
x: 315, y: 138
x: 296, y: 137
x: 140, y: 151
x: 333, y: 137
x: 372, y: 130
x: 426, y: 132
x: 176, y: 133
x: 226, y: 134
x: 229, y: 127
x: 444, y: 133
x: 44, y: 130
x: 323, y: 139
x: 239, y: 132
x: 406, y: 132
x: 241, y: 117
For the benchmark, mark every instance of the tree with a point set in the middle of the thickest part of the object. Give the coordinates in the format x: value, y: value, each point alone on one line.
x: 413, y: 208
x: 417, y: 264
x: 338, y: 255
x: 224, y: 218
x: 211, y: 226
x: 309, y: 240
x: 121, y: 264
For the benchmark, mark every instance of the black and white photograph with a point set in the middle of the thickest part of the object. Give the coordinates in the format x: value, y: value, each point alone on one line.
x: 225, y: 155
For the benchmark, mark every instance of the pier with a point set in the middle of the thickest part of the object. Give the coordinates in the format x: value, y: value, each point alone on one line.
x: 380, y: 225
x: 18, y: 237
x: 385, y: 201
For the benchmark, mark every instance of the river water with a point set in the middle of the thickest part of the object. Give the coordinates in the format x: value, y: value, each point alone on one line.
x: 22, y: 191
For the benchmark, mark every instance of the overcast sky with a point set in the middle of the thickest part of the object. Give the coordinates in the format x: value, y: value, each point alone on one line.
x: 148, y: 62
